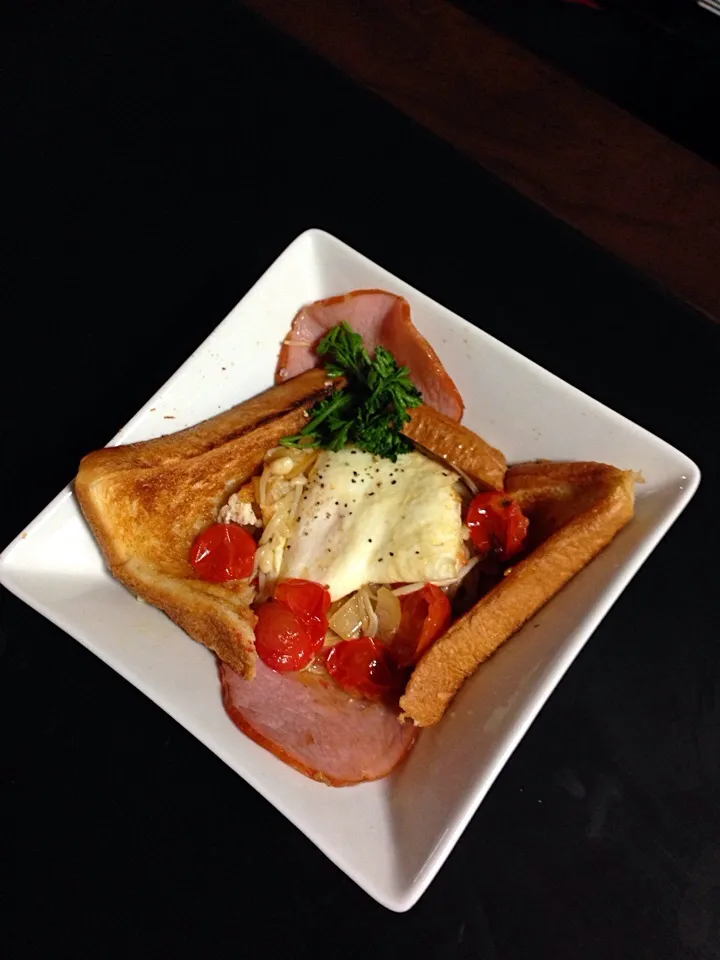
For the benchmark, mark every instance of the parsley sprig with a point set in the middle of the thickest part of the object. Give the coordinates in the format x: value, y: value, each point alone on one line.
x: 370, y: 410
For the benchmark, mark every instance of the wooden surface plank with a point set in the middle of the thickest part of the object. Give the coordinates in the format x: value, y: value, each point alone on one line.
x: 624, y: 185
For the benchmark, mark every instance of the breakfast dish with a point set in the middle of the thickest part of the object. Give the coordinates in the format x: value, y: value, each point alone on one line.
x: 391, y: 835
x: 349, y: 551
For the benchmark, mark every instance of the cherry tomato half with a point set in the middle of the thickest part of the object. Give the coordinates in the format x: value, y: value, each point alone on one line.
x: 363, y: 667
x: 223, y: 551
x: 308, y: 600
x: 425, y: 615
x: 282, y: 640
x: 497, y: 525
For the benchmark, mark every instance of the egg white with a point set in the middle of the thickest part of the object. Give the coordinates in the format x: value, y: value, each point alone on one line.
x: 363, y: 519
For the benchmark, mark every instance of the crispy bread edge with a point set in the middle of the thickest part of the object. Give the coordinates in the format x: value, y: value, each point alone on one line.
x: 243, y: 418
x: 224, y: 625
x: 529, y: 585
x: 457, y: 445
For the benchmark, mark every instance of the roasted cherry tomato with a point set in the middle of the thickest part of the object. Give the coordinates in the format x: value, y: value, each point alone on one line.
x: 223, y: 551
x: 308, y: 600
x: 282, y: 640
x: 425, y: 615
x: 497, y: 525
x: 363, y: 667
x: 304, y: 596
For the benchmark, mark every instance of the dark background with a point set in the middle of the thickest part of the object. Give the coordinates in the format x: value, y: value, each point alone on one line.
x: 160, y: 156
x: 657, y: 59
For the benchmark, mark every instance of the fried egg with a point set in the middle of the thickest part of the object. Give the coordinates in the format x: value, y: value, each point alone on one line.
x: 364, y: 519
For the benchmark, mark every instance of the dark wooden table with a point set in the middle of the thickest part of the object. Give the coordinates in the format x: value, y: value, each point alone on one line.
x: 162, y: 156
x: 617, y: 180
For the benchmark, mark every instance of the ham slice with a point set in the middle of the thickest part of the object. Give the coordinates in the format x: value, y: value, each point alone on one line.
x: 314, y: 726
x: 380, y: 318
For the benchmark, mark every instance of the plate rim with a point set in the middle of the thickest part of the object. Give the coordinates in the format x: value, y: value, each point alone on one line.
x: 403, y: 898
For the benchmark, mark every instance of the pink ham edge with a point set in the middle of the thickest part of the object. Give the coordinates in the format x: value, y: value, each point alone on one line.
x: 316, y: 727
x: 380, y: 318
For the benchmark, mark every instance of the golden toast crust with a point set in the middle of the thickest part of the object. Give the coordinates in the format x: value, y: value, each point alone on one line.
x: 458, y: 446
x: 575, y: 510
x: 146, y: 502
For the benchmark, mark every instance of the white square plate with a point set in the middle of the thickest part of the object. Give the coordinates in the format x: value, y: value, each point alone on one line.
x: 391, y: 836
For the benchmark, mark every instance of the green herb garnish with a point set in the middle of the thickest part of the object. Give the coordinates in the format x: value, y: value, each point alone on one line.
x: 370, y: 410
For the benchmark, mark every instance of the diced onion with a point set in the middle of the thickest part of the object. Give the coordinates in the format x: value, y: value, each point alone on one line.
x: 262, y: 492
x: 303, y: 462
x: 388, y: 612
x: 408, y: 588
x: 275, y: 452
x: 265, y: 558
x: 347, y: 622
x: 280, y: 466
x: 356, y: 617
x: 370, y: 620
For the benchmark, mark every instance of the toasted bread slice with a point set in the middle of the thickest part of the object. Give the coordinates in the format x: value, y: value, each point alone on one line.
x: 575, y: 510
x: 146, y: 502
x: 457, y: 446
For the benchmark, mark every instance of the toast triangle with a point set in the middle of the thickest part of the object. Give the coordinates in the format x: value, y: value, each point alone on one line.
x: 575, y: 509
x: 146, y: 502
